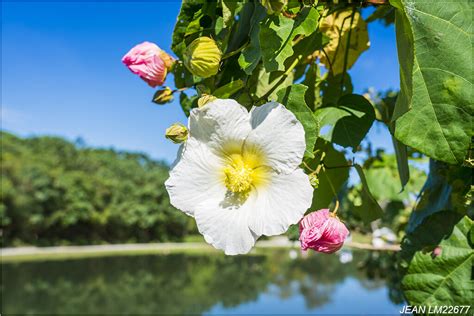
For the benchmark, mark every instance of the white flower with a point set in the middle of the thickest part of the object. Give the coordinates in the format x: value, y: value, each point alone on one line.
x: 238, y: 173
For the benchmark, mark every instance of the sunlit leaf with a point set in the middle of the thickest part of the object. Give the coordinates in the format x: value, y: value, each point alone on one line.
x: 434, y: 109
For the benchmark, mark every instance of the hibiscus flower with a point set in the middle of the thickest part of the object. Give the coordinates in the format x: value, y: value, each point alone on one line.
x: 238, y: 173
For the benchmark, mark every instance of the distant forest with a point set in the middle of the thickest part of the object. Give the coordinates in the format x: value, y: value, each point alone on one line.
x: 54, y: 192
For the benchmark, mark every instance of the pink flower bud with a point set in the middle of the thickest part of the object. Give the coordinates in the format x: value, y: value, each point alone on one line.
x: 322, y: 231
x: 149, y: 62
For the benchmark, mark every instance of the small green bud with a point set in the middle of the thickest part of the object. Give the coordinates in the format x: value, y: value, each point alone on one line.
x: 274, y: 6
x: 314, y: 180
x: 203, y: 57
x: 163, y: 96
x: 177, y: 133
x: 205, y: 99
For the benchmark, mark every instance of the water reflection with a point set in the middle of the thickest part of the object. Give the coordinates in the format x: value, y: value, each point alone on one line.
x: 173, y: 284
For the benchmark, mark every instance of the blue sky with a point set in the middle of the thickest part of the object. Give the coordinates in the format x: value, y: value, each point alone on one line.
x: 62, y: 73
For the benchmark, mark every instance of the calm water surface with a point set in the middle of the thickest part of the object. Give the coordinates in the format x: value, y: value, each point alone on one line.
x: 274, y: 282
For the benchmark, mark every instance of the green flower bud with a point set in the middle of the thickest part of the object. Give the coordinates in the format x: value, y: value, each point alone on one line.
x: 203, y: 57
x: 163, y: 96
x: 274, y: 6
x: 177, y: 133
x: 314, y: 180
x: 205, y: 99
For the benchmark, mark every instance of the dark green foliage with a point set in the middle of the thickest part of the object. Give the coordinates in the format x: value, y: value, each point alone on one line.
x: 54, y: 192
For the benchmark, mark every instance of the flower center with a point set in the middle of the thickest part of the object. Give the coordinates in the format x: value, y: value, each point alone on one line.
x: 238, y: 176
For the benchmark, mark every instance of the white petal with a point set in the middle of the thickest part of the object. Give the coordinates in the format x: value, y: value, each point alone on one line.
x: 281, y: 203
x: 220, y: 123
x: 226, y: 227
x: 195, y: 175
x: 279, y: 134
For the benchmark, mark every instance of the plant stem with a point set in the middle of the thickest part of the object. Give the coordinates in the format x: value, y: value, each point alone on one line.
x: 348, y: 47
x: 238, y: 50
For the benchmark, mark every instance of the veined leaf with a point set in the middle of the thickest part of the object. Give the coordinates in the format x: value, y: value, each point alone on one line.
x: 348, y: 122
x: 443, y: 278
x: 293, y: 97
x: 434, y: 109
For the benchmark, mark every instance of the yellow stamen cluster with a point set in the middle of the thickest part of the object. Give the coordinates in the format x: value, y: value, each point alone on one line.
x: 238, y: 177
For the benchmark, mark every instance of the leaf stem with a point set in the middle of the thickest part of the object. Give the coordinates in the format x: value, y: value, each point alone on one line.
x: 238, y: 50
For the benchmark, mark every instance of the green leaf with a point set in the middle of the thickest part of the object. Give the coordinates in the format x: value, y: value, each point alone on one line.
x: 275, y: 41
x: 313, y: 81
x: 261, y: 82
x: 187, y: 103
x: 293, y: 97
x: 330, y: 180
x: 230, y: 8
x: 306, y: 22
x: 370, y: 209
x: 382, y: 177
x: 445, y: 188
x: 332, y: 89
x: 228, y: 90
x: 402, y: 161
x: 277, y: 33
x: 444, y: 279
x: 434, y: 109
x: 348, y: 122
x: 185, y: 17
x: 251, y: 55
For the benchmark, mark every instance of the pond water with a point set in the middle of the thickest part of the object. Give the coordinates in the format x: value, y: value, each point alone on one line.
x: 273, y: 282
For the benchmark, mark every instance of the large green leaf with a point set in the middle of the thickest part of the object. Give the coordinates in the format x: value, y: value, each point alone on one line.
x: 251, y: 55
x: 348, y: 122
x: 293, y: 97
x: 440, y: 278
x: 434, y: 109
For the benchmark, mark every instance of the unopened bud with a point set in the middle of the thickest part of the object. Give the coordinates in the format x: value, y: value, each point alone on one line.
x: 314, y: 180
x: 274, y: 6
x: 203, y: 57
x: 205, y: 99
x: 177, y: 133
x: 163, y: 96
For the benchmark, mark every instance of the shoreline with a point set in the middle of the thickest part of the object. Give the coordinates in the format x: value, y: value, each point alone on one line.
x: 75, y: 252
